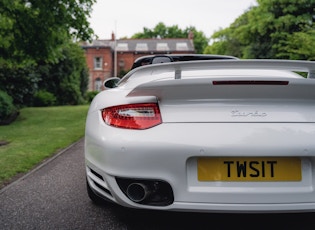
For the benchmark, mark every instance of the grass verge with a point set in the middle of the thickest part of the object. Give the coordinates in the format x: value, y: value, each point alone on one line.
x: 38, y: 133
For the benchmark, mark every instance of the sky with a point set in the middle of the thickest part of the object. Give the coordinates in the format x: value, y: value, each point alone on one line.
x: 127, y: 17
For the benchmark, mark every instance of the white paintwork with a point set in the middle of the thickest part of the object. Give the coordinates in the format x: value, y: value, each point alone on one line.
x: 201, y: 119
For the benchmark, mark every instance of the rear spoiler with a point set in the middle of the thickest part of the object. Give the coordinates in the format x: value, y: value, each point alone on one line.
x: 298, y: 88
x: 268, y: 64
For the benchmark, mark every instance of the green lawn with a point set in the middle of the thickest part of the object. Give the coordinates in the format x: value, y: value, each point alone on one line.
x: 37, y: 134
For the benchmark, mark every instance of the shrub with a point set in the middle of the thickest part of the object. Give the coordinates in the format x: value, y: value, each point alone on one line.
x: 44, y: 98
x: 90, y: 95
x: 20, y: 83
x: 8, y: 112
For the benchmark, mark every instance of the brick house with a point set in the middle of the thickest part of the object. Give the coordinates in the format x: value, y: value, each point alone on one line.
x: 102, y: 57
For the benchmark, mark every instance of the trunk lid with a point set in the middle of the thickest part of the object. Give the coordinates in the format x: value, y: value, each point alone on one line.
x: 233, y: 99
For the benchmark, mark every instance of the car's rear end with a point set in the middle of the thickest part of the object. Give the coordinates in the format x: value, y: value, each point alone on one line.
x: 233, y: 137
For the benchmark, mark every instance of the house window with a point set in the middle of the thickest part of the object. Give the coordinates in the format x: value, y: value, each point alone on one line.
x: 98, y: 63
x: 122, y: 47
x: 121, y: 63
x: 142, y: 47
x: 98, y: 84
x: 162, y: 47
x: 181, y: 46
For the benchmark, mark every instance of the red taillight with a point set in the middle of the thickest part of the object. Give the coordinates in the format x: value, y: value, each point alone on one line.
x: 133, y: 116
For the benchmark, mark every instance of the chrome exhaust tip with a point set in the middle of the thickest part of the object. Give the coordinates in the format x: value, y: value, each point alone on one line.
x: 147, y: 191
x: 137, y: 192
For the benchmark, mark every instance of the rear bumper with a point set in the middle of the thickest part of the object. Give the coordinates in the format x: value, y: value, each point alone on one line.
x: 164, y: 153
x: 109, y: 190
x: 245, y: 208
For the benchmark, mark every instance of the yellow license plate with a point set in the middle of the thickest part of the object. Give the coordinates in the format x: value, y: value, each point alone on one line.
x: 249, y: 169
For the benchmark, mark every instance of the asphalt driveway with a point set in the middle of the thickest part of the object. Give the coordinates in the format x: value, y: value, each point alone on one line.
x: 53, y: 196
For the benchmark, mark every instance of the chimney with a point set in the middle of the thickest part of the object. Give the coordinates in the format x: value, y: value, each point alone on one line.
x: 113, y: 36
x: 191, y: 35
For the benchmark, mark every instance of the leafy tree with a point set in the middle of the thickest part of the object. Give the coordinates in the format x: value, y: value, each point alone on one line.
x: 6, y: 35
x: 300, y: 46
x: 224, y: 43
x: 270, y: 30
x: 163, y: 31
x: 67, y: 79
x: 33, y: 30
x: 36, y: 38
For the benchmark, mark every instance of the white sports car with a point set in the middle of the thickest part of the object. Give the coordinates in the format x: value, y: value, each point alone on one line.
x: 206, y: 136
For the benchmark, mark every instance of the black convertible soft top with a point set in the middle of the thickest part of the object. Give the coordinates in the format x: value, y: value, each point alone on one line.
x: 161, y: 58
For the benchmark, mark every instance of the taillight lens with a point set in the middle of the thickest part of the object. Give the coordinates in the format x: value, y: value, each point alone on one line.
x: 133, y: 116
